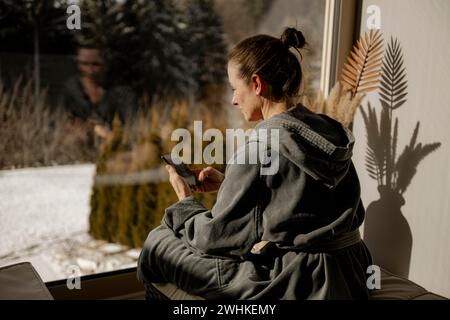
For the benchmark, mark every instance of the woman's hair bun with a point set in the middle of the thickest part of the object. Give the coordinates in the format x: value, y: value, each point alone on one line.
x: 291, y: 37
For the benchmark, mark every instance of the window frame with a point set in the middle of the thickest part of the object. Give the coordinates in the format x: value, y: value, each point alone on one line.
x: 341, y: 30
x: 342, y: 20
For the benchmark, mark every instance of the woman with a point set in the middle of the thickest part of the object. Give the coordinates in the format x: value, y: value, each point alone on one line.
x: 289, y: 235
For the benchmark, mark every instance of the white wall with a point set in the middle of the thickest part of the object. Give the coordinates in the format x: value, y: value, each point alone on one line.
x: 423, y: 29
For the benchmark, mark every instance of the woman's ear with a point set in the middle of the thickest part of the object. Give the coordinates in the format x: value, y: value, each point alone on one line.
x: 258, y: 84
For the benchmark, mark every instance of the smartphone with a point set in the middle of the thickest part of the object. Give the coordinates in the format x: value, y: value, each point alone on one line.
x: 182, y: 169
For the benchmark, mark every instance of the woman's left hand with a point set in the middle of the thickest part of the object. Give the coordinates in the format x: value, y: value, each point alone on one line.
x: 178, y: 183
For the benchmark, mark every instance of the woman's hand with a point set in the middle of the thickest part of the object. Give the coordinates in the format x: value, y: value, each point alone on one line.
x: 178, y: 183
x: 208, y: 179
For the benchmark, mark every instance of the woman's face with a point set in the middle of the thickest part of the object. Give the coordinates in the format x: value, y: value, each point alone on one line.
x: 244, y: 94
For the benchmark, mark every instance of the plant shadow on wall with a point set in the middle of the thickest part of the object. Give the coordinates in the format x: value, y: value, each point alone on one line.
x: 386, y: 230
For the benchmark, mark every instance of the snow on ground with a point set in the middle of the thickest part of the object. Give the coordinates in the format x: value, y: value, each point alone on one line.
x: 43, y: 204
x: 44, y: 214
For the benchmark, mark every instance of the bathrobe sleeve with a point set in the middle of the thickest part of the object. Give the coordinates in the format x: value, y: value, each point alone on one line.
x: 230, y: 228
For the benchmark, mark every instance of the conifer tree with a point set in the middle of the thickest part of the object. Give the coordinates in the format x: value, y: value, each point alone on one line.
x: 142, y: 44
x: 35, y: 24
x: 102, y: 221
x: 205, y: 45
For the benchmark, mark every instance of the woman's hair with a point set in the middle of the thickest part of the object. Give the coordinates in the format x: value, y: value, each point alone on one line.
x: 272, y: 60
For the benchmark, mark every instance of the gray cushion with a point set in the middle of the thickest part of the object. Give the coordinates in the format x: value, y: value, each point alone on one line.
x: 394, y: 287
x: 22, y: 282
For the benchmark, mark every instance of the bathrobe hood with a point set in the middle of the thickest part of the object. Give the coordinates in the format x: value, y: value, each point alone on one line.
x: 323, y: 153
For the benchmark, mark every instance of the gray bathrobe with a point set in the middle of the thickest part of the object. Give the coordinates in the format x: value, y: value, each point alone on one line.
x: 309, y: 210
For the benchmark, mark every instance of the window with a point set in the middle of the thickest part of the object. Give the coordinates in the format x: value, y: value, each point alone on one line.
x: 85, y: 114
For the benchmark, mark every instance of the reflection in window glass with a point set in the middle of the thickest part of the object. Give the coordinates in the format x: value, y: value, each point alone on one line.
x: 85, y: 115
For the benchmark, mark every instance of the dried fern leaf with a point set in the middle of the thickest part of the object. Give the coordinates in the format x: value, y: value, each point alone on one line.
x: 363, y: 66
